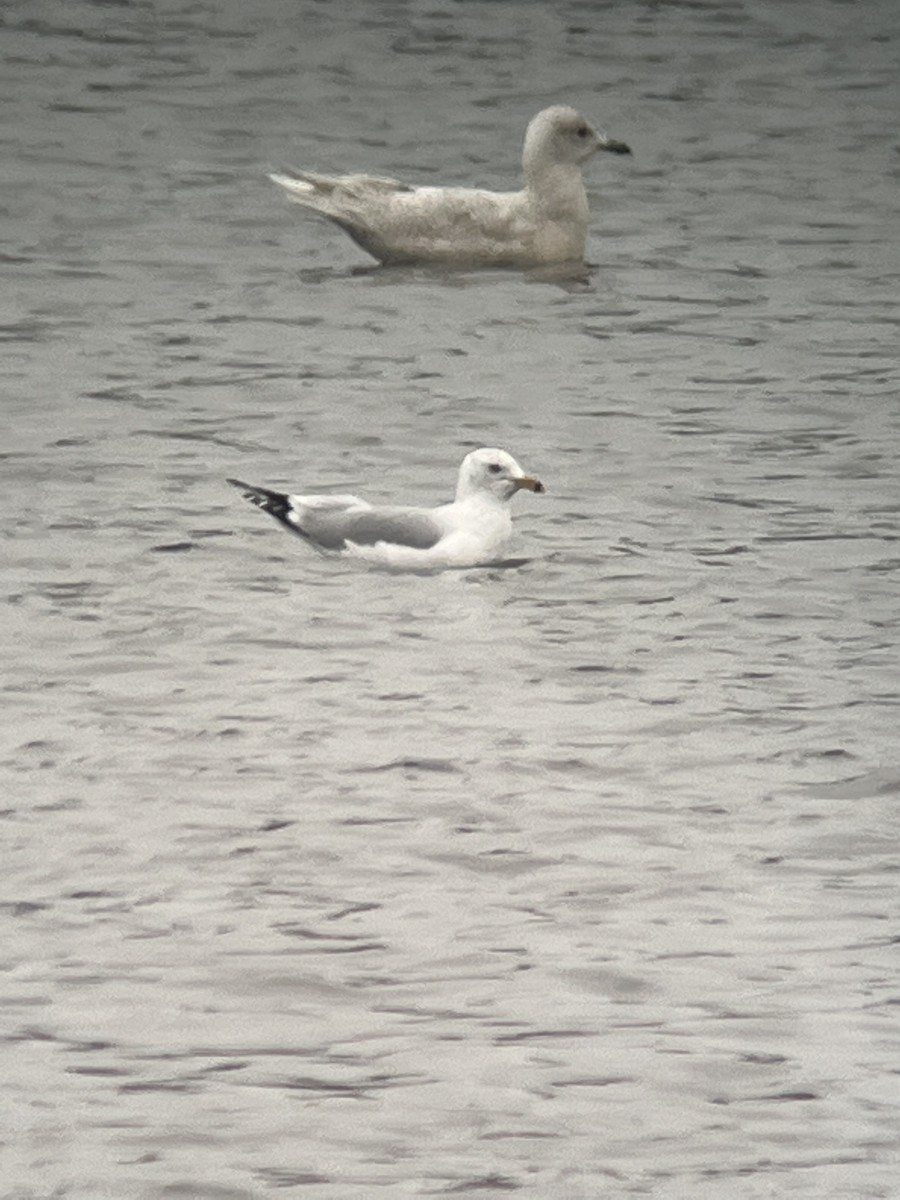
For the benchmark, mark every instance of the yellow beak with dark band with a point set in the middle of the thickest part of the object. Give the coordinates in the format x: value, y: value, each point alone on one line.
x: 529, y: 483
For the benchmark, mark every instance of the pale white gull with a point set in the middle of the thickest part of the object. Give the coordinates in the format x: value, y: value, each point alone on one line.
x: 545, y: 223
x: 471, y: 531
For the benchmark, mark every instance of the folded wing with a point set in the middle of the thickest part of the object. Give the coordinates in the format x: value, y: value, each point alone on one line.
x: 330, y: 522
x: 332, y: 528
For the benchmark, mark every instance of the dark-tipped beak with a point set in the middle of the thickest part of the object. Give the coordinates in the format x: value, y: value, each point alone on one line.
x: 529, y: 483
x: 614, y: 146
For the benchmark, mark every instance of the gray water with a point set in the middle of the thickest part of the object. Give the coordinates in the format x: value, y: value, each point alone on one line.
x: 572, y: 880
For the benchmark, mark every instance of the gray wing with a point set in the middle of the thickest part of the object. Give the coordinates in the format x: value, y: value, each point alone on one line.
x: 396, y: 223
x: 332, y: 530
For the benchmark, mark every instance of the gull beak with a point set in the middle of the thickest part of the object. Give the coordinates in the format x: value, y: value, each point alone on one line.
x: 612, y: 145
x: 529, y: 483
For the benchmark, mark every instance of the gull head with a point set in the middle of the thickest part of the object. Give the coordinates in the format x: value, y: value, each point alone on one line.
x: 561, y: 135
x: 494, y: 472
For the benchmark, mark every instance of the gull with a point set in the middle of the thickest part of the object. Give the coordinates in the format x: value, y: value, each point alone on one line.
x: 470, y: 531
x: 543, y: 224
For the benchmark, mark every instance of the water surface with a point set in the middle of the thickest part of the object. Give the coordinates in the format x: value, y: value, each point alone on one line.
x: 571, y: 880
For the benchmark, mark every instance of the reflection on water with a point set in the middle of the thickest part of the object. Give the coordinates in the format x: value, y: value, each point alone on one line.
x: 569, y: 876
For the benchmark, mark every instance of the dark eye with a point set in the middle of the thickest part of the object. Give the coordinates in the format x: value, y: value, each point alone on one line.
x: 582, y: 131
x: 494, y: 468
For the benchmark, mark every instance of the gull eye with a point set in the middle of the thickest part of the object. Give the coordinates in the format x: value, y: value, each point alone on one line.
x: 494, y: 468
x: 582, y: 131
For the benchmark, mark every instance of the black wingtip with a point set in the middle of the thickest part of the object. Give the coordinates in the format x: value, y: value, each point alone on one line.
x: 276, y: 504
